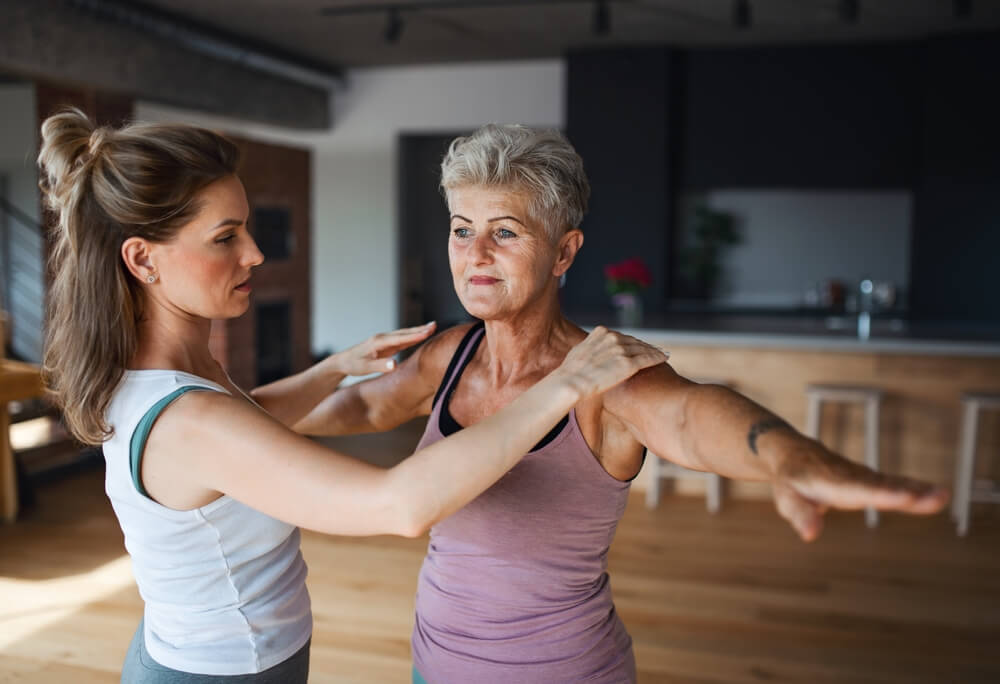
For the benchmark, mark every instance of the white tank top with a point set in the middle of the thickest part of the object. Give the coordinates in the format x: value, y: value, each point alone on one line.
x: 223, y: 585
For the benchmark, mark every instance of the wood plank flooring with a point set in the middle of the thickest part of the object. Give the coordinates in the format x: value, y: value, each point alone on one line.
x: 733, y: 597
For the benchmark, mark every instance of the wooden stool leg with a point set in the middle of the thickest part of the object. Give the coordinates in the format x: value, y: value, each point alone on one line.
x: 653, y: 462
x: 966, y: 466
x: 812, y: 416
x: 871, y: 449
x: 713, y: 492
x: 8, y: 471
x: 956, y: 501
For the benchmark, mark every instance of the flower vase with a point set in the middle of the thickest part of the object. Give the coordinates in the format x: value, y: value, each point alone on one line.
x: 628, y: 309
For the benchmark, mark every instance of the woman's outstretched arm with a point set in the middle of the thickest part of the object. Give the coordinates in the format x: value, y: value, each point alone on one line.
x: 712, y: 428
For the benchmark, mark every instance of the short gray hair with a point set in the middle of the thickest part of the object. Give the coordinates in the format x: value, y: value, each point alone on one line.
x: 541, y: 163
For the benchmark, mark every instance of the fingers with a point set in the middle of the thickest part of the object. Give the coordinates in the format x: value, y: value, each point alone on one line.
x: 406, y: 336
x: 853, y: 488
x: 368, y: 365
x: 415, y: 330
x: 885, y: 492
x: 842, y: 484
x: 606, y: 358
x: 643, y: 354
x: 607, y: 347
x: 803, y: 506
x: 647, y: 357
x: 805, y: 516
x: 388, y: 344
x: 374, y: 354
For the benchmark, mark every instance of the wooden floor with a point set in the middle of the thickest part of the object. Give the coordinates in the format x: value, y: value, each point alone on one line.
x: 733, y: 597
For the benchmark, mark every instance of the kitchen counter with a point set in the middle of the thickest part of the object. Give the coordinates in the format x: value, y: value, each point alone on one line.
x: 819, y: 333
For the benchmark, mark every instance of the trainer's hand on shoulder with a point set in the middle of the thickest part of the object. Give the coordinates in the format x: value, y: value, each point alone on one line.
x: 606, y: 358
x: 810, y: 480
x: 374, y: 355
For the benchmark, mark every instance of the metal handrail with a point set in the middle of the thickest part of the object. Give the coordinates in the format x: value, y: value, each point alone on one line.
x: 22, y: 217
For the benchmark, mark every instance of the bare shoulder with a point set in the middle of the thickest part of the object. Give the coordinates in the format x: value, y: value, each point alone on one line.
x: 192, y: 411
x: 201, y: 421
x: 659, y: 384
x: 415, y: 382
x: 193, y: 440
x: 657, y: 380
x: 433, y: 356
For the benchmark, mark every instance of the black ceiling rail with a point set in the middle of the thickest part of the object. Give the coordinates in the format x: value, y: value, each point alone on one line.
x: 214, y: 42
x: 404, y: 6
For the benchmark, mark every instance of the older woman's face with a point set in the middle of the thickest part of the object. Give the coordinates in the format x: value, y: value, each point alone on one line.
x: 501, y: 258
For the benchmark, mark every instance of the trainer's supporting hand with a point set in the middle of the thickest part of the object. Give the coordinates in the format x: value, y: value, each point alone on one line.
x: 810, y: 480
x: 606, y: 358
x: 374, y: 355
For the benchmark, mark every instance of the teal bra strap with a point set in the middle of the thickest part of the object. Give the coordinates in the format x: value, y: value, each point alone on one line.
x: 138, y: 443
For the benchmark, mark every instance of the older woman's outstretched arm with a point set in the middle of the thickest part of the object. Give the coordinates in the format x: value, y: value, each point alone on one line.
x: 712, y: 428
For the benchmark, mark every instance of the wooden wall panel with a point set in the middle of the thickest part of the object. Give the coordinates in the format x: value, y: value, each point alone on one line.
x: 274, y: 176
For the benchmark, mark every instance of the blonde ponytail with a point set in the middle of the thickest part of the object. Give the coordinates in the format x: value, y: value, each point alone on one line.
x: 106, y: 185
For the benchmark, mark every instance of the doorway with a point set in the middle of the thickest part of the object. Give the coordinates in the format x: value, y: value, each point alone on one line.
x: 426, y: 289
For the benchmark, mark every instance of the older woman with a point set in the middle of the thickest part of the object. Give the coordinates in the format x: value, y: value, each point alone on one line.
x: 514, y: 587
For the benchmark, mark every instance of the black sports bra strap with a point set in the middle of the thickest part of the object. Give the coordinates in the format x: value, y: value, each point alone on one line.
x: 453, y: 371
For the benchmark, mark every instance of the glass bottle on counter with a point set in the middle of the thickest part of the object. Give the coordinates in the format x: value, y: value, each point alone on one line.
x: 865, y: 290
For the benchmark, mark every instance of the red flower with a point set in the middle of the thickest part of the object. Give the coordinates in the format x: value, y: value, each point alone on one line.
x: 629, y: 275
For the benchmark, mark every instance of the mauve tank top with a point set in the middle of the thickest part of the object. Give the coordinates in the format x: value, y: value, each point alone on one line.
x: 515, y: 587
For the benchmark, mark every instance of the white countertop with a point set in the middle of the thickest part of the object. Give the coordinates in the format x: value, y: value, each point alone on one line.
x: 833, y: 334
x: 873, y: 345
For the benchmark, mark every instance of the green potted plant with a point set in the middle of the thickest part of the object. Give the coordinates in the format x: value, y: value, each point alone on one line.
x: 711, y: 232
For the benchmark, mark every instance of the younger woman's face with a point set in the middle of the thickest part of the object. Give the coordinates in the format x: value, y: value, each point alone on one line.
x: 205, y: 270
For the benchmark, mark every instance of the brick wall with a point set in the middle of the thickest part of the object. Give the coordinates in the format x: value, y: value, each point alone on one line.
x: 274, y: 176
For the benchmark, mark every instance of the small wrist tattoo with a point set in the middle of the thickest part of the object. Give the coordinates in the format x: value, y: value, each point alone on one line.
x: 762, y: 426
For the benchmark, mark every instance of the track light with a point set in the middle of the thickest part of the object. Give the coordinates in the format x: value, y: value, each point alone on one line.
x: 742, y: 14
x: 393, y: 26
x: 849, y: 11
x: 602, y: 18
x: 962, y: 9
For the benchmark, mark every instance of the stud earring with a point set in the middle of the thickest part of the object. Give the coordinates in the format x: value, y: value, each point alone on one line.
x: 151, y: 278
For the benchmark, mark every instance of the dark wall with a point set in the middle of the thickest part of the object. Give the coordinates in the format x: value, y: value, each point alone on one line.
x: 427, y: 290
x: 620, y: 123
x: 956, y: 233
x: 922, y: 116
x: 801, y: 117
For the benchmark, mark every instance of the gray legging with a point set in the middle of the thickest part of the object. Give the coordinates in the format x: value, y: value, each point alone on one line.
x: 140, y: 668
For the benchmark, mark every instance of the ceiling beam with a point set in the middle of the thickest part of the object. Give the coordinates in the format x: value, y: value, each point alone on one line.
x: 57, y: 41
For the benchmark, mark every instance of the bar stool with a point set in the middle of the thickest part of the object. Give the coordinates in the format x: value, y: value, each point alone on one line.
x: 968, y: 489
x: 660, y: 470
x: 871, y: 398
